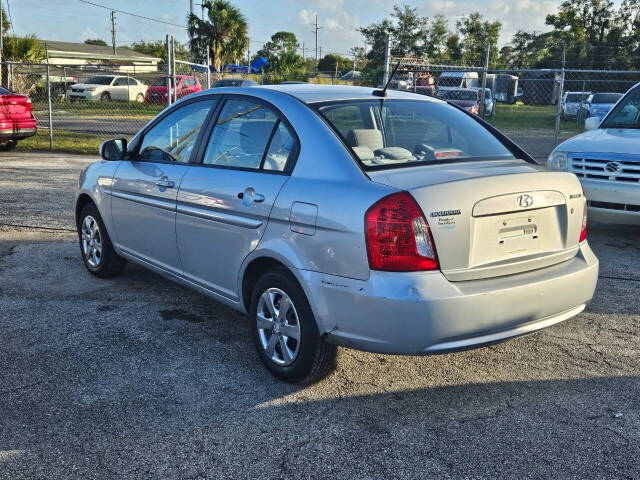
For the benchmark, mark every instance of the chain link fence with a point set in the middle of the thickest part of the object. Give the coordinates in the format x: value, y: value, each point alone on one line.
x: 85, y: 104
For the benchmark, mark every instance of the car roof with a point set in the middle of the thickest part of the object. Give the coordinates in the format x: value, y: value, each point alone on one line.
x: 312, y: 93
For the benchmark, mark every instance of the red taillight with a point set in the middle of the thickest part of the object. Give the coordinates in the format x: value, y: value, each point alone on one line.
x: 583, y: 230
x: 398, y: 236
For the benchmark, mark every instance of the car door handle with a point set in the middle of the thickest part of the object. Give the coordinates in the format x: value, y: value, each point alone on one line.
x: 258, y: 198
x: 165, y: 183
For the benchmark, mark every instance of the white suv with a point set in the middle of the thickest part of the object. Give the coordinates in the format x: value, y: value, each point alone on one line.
x: 606, y: 159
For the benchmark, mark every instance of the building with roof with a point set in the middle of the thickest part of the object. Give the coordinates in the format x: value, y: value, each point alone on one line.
x: 78, y: 54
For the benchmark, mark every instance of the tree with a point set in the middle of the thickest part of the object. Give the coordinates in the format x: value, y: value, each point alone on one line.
x: 281, y: 52
x: 95, y: 41
x: 6, y: 24
x: 223, y: 33
x: 158, y: 49
x: 477, y: 33
x: 22, y: 49
x: 332, y: 63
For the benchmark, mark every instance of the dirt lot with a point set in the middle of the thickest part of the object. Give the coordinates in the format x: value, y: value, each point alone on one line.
x: 139, y: 378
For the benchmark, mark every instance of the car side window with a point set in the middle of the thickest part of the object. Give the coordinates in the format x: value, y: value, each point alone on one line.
x: 241, y: 135
x: 120, y: 82
x: 133, y: 81
x: 280, y: 149
x: 172, y: 139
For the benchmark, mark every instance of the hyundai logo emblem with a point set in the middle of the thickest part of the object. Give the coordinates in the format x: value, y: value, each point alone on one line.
x: 525, y: 201
x: 613, y: 167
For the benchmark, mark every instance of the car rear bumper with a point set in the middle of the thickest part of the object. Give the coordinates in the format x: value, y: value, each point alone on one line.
x: 16, y: 130
x: 423, y: 313
x: 613, y: 202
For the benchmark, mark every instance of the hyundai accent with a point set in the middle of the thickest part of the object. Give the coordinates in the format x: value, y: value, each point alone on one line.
x: 332, y: 216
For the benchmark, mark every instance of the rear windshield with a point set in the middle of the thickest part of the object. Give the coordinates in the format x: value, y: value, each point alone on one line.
x: 100, y: 80
x: 627, y: 112
x: 459, y: 94
x: 576, y: 97
x: 409, y: 132
x: 606, y: 97
x: 161, y: 82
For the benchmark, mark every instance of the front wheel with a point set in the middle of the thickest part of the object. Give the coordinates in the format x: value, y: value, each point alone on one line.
x: 97, y: 251
x: 285, y: 332
x: 105, y: 97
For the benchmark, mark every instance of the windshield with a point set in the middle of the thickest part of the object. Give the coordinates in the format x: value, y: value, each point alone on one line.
x: 605, y: 97
x: 576, y: 97
x: 161, y: 82
x: 454, y: 80
x: 409, y: 132
x: 100, y: 80
x: 459, y: 95
x: 627, y: 112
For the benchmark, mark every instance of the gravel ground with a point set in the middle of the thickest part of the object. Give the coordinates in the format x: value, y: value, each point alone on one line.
x: 137, y: 377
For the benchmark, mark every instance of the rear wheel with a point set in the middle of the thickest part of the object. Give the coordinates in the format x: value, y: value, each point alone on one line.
x: 285, y: 332
x: 140, y: 98
x: 97, y: 251
x: 8, y: 145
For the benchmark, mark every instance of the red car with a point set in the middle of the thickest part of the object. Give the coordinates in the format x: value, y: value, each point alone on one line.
x: 16, y: 120
x: 157, y: 91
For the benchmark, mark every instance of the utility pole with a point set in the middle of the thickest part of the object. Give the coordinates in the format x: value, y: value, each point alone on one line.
x: 315, y: 30
x: 302, y: 46
x: 113, y: 30
x: 191, y: 7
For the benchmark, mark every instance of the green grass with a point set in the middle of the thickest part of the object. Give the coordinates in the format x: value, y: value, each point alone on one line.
x: 539, y: 117
x: 63, y: 141
x: 101, y: 109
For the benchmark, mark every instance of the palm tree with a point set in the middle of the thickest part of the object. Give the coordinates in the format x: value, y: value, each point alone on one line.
x: 22, y: 49
x: 223, y: 33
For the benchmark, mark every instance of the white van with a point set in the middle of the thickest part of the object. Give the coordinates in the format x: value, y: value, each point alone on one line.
x: 454, y: 80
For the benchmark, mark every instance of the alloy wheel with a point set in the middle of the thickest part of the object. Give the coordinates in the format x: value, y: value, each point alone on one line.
x: 91, y: 241
x: 278, y: 326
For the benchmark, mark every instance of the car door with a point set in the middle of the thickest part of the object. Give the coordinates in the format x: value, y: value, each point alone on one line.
x: 225, y: 200
x: 118, y: 89
x: 144, y: 188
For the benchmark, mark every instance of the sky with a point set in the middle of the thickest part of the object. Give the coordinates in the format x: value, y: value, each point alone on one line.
x: 74, y: 21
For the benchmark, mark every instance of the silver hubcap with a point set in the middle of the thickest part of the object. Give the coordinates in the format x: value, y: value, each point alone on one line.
x: 278, y: 326
x: 91, y: 241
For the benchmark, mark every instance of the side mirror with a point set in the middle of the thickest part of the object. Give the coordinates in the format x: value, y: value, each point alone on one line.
x: 591, y: 123
x: 113, y: 150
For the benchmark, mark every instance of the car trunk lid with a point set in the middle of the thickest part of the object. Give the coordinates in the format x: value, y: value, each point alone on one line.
x: 494, y: 218
x: 15, y: 105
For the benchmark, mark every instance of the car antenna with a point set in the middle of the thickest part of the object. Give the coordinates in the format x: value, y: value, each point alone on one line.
x: 383, y: 92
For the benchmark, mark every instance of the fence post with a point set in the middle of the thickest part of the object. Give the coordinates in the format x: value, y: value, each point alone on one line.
x: 46, y: 49
x: 167, y: 69
x: 208, y: 69
x: 173, y: 68
x: 484, y: 82
x: 556, y: 130
x: 387, y: 55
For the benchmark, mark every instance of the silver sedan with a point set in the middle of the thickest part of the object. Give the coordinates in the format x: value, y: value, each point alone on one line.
x: 388, y: 222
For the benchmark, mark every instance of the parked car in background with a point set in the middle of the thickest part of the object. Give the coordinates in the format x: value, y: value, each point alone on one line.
x: 157, y: 92
x: 488, y: 100
x: 598, y: 105
x: 16, y: 119
x: 606, y: 159
x: 454, y: 80
x: 332, y: 217
x: 235, y: 82
x: 571, y: 102
x: 351, y: 75
x: 109, y: 87
x: 467, y: 98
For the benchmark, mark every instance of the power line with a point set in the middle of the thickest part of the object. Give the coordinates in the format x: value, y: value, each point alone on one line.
x: 133, y: 14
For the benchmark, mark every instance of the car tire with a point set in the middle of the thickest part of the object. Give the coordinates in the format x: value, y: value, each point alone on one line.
x: 301, y: 361
x: 140, y: 98
x: 8, y: 145
x: 96, y: 249
x: 105, y: 97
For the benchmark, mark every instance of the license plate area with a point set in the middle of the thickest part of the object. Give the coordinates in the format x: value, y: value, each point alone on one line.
x: 499, y: 238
